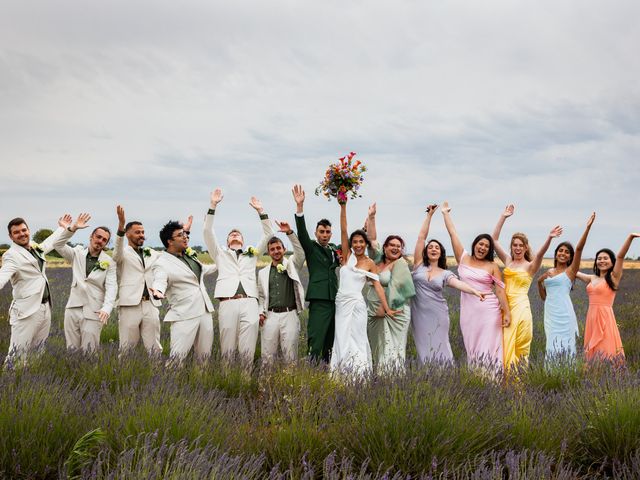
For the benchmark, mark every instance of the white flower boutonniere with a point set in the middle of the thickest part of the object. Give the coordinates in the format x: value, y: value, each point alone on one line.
x: 146, y: 251
x: 190, y: 252
x: 251, y: 252
x: 281, y: 268
x: 37, y: 247
x: 103, y: 265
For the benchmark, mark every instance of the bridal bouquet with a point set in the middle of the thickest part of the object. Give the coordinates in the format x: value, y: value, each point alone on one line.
x: 342, y: 179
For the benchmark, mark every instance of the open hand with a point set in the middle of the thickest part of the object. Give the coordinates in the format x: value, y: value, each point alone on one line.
x: 81, y: 222
x: 592, y: 219
x: 372, y: 210
x: 121, y: 217
x: 508, y: 210
x: 298, y: 194
x: 284, y: 227
x: 257, y: 205
x: 555, y: 231
x: 65, y: 220
x: 431, y: 208
x: 216, y: 197
x: 445, y: 208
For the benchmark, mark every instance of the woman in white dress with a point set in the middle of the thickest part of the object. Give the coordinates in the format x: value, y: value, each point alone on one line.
x: 351, y: 351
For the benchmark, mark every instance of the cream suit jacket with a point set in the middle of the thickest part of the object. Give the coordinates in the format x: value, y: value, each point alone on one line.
x: 234, y: 269
x: 186, y: 294
x: 132, y: 274
x: 94, y: 292
x: 292, y: 264
x: 28, y: 282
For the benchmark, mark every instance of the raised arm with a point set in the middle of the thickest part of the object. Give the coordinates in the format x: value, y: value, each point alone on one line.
x: 422, y: 235
x: 298, y: 252
x: 301, y: 226
x: 344, y: 234
x: 8, y: 269
x: 67, y: 231
x: 504, y: 255
x: 209, y: 234
x: 574, y: 268
x: 53, y: 240
x: 118, y: 247
x: 267, y: 228
x: 535, y: 264
x: 458, y: 249
x: 617, y: 268
x: 371, y: 230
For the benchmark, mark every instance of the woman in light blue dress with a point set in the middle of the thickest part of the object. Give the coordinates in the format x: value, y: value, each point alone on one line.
x: 560, y: 324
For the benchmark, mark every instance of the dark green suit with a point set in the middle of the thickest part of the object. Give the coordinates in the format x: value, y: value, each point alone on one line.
x: 321, y: 292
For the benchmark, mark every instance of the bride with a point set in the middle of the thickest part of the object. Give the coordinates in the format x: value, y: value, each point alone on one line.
x: 351, y: 351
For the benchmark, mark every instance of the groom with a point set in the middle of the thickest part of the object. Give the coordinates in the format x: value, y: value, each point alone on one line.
x: 322, y: 261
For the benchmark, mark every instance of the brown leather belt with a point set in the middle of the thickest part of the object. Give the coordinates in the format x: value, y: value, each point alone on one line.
x: 235, y: 297
x: 282, y: 309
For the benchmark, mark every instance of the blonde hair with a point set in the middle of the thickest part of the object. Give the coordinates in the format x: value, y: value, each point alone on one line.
x: 523, y: 238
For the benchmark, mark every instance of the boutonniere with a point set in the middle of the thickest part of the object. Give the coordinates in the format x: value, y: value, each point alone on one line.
x: 190, y: 252
x: 36, y: 247
x: 281, y: 268
x: 103, y: 265
x: 146, y: 251
x: 251, y: 252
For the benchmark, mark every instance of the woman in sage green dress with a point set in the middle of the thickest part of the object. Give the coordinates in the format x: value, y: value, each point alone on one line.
x: 388, y: 336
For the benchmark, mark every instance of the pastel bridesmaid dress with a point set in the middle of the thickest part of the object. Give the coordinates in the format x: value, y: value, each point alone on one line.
x: 517, y: 336
x: 481, y: 322
x: 601, y: 335
x: 560, y: 323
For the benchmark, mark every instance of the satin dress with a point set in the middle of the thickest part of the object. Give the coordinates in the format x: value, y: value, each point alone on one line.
x: 481, y: 322
x: 601, y: 335
x: 518, y: 335
x: 560, y: 323
x: 430, y: 316
x: 351, y: 353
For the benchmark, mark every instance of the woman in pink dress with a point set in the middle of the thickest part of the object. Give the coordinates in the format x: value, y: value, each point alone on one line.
x: 481, y: 322
x: 601, y: 335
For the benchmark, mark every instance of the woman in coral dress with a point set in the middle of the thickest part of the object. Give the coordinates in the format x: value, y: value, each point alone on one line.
x: 601, y: 336
x: 481, y: 322
x: 520, y: 267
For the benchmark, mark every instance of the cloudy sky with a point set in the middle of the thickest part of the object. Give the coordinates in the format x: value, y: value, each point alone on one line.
x: 153, y: 103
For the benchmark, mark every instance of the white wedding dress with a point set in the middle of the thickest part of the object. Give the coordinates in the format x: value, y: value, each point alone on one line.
x: 351, y: 353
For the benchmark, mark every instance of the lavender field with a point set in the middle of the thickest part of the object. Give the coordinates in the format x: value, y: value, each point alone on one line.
x: 72, y: 416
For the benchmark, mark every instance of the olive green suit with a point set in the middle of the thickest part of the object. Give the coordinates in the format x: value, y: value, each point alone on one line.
x: 321, y: 292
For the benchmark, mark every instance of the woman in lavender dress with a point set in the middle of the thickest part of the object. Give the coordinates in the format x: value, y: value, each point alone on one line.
x: 429, y: 310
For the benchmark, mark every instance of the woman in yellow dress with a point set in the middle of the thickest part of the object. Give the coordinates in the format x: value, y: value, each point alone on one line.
x: 520, y: 267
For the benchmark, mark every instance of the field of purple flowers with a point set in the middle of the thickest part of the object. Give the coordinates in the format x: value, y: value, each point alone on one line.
x: 73, y: 416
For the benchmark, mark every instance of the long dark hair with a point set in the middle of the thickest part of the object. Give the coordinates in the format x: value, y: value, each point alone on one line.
x: 388, y: 240
x: 569, y: 247
x: 491, y: 252
x: 607, y: 276
x: 442, y: 260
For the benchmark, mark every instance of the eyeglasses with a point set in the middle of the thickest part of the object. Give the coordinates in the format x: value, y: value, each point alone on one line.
x: 181, y: 234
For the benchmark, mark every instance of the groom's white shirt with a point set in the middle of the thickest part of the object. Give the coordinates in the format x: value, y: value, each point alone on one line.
x: 234, y: 269
x: 292, y: 265
x: 132, y: 274
x: 186, y: 294
x: 96, y: 292
x: 23, y: 270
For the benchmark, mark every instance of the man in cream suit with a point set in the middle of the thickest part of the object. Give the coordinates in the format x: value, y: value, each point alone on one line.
x: 138, y: 314
x: 93, y: 288
x: 281, y: 298
x: 179, y: 276
x: 236, y: 287
x: 24, y: 266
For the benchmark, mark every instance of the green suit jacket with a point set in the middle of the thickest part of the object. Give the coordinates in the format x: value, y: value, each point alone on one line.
x: 322, y: 264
